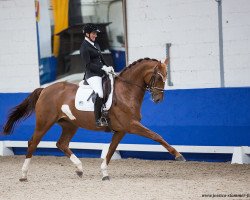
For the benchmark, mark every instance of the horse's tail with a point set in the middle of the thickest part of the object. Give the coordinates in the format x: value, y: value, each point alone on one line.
x: 23, y: 110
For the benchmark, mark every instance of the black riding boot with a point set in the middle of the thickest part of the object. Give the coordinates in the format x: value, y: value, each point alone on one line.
x: 100, y: 121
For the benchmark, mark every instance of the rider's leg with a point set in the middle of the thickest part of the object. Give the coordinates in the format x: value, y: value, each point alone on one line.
x: 98, y: 111
x: 95, y: 83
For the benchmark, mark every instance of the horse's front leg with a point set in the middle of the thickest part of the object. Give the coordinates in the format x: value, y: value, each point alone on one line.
x: 137, y: 128
x: 115, y: 141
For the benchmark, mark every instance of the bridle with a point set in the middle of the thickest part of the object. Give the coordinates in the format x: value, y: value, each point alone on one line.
x: 152, y: 82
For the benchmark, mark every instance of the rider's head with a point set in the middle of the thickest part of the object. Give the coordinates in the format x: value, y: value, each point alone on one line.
x: 90, y: 31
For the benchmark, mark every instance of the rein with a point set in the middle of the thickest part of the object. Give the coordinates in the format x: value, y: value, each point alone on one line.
x: 128, y: 82
x: 149, y: 87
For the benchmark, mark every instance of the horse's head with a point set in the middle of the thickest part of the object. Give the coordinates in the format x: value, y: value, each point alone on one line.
x: 156, y: 81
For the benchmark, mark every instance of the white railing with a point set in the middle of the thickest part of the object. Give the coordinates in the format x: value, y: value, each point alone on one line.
x: 240, y: 154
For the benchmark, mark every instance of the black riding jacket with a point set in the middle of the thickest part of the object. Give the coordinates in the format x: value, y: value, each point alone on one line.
x: 92, y: 59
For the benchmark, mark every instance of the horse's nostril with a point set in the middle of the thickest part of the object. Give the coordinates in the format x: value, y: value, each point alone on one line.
x: 157, y: 101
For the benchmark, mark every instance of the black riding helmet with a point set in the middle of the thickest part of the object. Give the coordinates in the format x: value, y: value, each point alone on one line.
x: 89, y: 28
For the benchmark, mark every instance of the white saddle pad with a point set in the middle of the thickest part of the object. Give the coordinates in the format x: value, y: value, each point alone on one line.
x: 83, y: 93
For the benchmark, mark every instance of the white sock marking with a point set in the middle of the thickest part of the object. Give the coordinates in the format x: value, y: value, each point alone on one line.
x: 104, y: 168
x: 76, y: 162
x: 25, y: 167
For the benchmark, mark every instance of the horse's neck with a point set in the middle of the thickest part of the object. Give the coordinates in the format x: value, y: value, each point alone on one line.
x: 136, y: 74
x: 133, y: 81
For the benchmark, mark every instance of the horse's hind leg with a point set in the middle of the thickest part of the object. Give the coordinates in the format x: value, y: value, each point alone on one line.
x: 68, y: 131
x: 42, y: 126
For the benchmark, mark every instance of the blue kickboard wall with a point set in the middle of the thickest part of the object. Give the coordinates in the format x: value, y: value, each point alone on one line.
x: 209, y: 117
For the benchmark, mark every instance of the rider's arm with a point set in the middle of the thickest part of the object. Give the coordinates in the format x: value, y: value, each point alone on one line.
x: 87, y: 62
x: 85, y: 56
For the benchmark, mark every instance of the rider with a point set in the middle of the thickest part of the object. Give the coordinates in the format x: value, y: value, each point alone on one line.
x: 95, y: 68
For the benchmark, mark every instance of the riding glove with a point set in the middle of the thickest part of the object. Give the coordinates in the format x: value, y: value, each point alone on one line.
x: 107, y: 69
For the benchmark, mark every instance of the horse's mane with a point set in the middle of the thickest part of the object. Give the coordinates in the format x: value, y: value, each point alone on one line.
x: 135, y: 62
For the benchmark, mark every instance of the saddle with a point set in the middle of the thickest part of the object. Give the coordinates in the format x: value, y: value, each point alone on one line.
x: 85, y: 96
x: 106, y: 88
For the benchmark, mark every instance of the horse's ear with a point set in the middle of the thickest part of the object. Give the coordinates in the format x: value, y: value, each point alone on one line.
x: 166, y: 61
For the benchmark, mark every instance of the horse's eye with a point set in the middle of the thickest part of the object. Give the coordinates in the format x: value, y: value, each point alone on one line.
x: 159, y: 78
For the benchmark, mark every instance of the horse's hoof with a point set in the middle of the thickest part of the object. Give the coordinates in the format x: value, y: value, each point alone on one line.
x: 180, y: 158
x: 79, y: 173
x: 23, y: 179
x: 105, y: 178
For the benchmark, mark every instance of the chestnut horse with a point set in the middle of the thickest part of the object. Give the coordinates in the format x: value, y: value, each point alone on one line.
x: 129, y: 89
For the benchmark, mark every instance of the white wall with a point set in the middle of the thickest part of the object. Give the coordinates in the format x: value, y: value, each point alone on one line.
x: 192, y: 28
x: 190, y: 25
x: 18, y: 46
x: 236, y: 32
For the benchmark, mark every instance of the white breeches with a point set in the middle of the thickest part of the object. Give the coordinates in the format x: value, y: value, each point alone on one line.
x: 95, y: 83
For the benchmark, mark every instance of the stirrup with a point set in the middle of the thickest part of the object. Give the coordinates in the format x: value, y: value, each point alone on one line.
x: 102, y: 122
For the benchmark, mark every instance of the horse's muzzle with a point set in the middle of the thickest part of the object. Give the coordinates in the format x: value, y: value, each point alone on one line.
x: 157, y: 98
